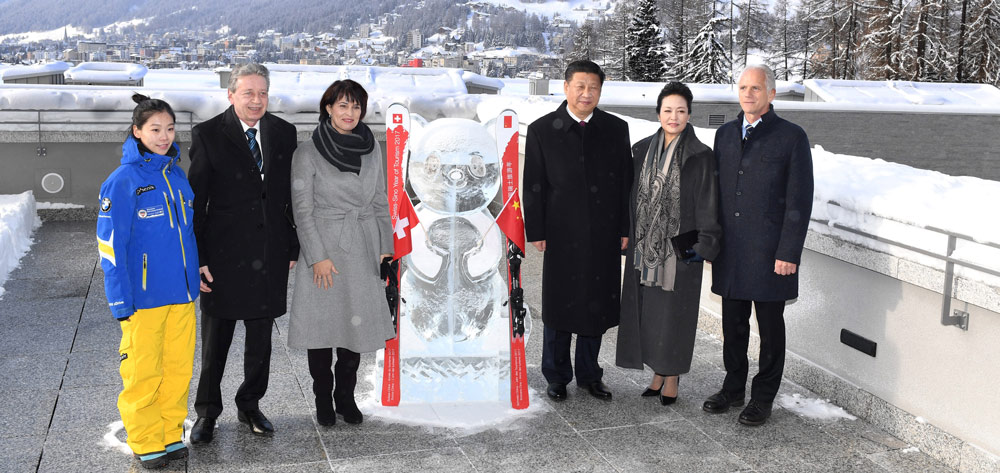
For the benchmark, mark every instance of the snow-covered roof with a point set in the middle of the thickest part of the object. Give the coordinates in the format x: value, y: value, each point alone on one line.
x: 882, y: 93
x: 106, y: 72
x: 19, y: 72
x: 644, y: 93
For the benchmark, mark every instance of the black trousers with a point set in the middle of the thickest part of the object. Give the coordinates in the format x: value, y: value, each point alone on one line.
x: 216, y: 337
x: 345, y: 372
x: 555, y: 357
x: 736, y: 333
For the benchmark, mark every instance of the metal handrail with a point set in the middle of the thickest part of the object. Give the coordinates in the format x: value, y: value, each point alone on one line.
x: 957, y: 318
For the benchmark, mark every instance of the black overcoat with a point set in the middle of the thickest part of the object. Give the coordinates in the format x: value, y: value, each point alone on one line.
x: 658, y: 327
x: 766, y: 194
x: 575, y: 194
x: 244, y: 226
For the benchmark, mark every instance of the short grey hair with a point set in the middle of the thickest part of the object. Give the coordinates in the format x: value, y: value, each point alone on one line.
x: 769, y: 80
x: 252, y: 69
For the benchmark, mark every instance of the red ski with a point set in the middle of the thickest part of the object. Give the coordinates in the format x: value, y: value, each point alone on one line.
x: 512, y: 224
x: 397, y: 132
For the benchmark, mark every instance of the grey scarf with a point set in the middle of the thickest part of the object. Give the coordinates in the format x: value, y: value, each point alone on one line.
x: 657, y: 213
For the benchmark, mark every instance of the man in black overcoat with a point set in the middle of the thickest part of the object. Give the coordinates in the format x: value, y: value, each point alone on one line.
x: 577, y: 177
x: 766, y: 194
x: 240, y: 173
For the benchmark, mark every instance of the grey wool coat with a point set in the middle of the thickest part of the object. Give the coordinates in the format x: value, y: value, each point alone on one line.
x: 344, y: 217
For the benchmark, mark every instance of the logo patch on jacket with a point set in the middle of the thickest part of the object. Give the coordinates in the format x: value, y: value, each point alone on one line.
x: 151, y: 212
x: 105, y: 204
x: 123, y: 357
x: 142, y: 189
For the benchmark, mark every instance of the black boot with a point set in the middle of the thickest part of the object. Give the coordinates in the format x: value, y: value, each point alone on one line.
x: 319, y: 368
x: 346, y: 373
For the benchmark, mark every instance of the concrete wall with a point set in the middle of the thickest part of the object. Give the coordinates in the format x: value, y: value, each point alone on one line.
x: 954, y: 144
x: 933, y: 386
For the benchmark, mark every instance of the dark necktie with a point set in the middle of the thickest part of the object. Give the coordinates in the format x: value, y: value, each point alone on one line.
x: 583, y: 124
x: 254, y: 149
x: 746, y: 136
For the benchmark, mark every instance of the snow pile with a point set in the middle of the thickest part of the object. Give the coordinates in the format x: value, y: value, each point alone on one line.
x: 17, y: 222
x: 976, y: 96
x: 641, y: 94
x: 17, y: 72
x: 812, y: 408
x: 106, y: 72
x: 57, y: 206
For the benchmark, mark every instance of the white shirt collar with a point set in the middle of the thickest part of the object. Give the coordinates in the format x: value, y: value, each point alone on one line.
x: 745, y: 122
x: 578, y: 119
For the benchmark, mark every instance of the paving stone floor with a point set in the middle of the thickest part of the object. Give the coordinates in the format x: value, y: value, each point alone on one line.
x: 59, y: 383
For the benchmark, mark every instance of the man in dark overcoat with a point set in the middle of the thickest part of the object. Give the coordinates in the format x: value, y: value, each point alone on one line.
x: 241, y: 174
x: 766, y: 194
x: 577, y: 177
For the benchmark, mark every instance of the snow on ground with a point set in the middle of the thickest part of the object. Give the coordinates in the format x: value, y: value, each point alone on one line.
x: 17, y: 222
x: 882, y: 93
x: 812, y: 408
x: 575, y: 10
x: 57, y: 205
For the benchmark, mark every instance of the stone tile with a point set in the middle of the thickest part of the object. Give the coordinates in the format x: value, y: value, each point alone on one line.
x: 546, y: 453
x: 344, y: 441
x: 440, y: 460
x: 21, y: 453
x: 93, y: 368
x: 235, y: 448
x: 908, y: 460
x: 48, y: 313
x: 26, y: 413
x: 24, y: 340
x: 102, y: 333
x: 828, y: 386
x: 544, y: 424
x: 977, y: 460
x: 930, y: 439
x: 310, y: 467
x: 79, y: 451
x: 584, y: 412
x: 32, y: 372
x: 59, y: 255
x: 859, y: 437
x: 46, y: 288
x: 666, y: 446
x: 87, y: 408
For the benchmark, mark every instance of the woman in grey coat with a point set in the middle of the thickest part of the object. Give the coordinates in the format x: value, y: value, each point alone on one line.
x: 674, y: 228
x: 342, y: 215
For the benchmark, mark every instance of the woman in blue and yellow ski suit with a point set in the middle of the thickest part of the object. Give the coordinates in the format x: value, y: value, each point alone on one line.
x: 147, y: 247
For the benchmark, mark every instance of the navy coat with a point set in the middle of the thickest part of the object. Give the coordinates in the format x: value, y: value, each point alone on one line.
x: 575, y: 196
x: 244, y: 226
x: 765, y: 200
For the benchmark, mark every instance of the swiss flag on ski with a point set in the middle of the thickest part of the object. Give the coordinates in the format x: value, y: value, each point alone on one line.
x: 406, y: 221
x: 512, y: 224
x: 397, y: 133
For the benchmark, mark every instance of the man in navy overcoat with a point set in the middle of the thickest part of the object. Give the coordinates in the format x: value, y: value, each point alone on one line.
x: 766, y: 193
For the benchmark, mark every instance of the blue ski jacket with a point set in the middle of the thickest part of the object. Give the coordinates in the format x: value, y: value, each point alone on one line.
x: 145, y: 233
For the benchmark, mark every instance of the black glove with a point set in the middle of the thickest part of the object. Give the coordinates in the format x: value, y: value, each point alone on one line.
x: 691, y: 256
x: 385, y: 268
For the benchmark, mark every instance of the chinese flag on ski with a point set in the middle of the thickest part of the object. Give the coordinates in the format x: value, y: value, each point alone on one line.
x: 511, y: 222
x: 405, y: 224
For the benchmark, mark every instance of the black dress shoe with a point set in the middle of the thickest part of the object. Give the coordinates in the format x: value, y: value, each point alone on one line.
x: 668, y: 400
x: 599, y: 390
x: 721, y: 402
x: 259, y: 424
x: 203, y: 430
x: 650, y: 392
x: 556, y: 391
x: 756, y: 413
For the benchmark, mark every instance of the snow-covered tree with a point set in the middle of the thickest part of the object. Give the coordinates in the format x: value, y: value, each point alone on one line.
x: 644, y: 48
x: 981, y: 62
x: 584, y: 43
x: 877, y: 44
x: 707, y: 59
x: 754, y: 29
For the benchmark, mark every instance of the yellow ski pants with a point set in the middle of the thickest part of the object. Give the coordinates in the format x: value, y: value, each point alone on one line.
x: 157, y: 356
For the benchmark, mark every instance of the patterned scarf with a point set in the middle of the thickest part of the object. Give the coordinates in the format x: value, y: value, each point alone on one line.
x: 343, y: 151
x: 657, y: 213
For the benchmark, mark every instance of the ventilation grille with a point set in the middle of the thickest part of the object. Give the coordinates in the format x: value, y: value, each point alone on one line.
x: 716, y: 120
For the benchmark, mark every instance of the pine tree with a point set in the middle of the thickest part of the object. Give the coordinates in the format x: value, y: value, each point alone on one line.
x: 645, y: 54
x: 707, y: 60
x: 754, y: 29
x: 875, y: 50
x: 584, y: 43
